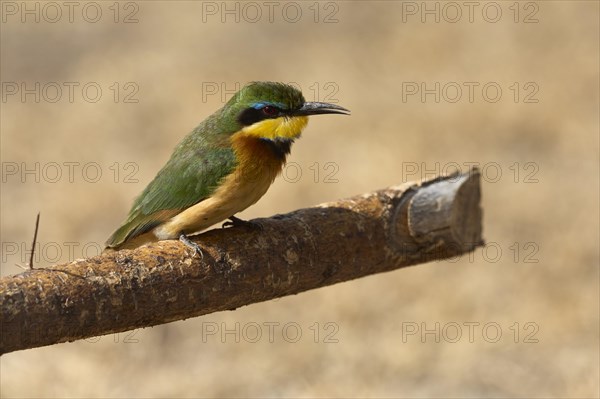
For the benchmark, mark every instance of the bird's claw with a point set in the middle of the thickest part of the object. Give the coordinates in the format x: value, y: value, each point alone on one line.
x: 190, y: 244
x: 237, y: 222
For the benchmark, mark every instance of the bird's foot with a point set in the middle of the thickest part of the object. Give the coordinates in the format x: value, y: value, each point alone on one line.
x: 237, y: 222
x: 190, y: 244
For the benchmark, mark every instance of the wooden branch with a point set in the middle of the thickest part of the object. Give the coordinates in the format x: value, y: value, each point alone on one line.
x: 309, y: 248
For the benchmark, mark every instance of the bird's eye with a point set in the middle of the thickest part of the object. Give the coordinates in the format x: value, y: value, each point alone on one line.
x: 270, y: 111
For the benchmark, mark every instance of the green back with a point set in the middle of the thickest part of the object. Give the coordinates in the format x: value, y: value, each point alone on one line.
x: 193, y: 172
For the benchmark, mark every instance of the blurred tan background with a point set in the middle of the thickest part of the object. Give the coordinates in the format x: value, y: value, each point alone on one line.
x: 518, y: 319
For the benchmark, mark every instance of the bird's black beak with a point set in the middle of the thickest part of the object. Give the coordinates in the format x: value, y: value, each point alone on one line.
x: 314, y: 108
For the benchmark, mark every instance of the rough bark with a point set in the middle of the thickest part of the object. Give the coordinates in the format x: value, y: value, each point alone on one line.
x: 309, y: 248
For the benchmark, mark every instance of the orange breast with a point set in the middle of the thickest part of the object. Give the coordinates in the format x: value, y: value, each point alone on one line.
x: 256, y: 156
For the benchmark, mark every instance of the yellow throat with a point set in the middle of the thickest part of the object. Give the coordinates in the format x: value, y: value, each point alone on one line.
x: 278, y: 128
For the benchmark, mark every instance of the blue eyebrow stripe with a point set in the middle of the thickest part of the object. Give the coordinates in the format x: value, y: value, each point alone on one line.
x: 262, y: 104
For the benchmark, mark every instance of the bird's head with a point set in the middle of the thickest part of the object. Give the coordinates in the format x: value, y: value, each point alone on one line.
x: 274, y: 111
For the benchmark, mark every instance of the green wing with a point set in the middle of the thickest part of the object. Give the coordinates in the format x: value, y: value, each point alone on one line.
x: 190, y: 176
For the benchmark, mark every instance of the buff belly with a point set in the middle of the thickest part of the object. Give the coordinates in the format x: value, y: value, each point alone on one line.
x: 258, y: 166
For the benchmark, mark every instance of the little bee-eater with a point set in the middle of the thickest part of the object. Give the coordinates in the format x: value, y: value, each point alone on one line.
x: 223, y: 166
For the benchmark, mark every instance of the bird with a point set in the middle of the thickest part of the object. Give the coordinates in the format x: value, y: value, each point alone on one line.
x: 223, y: 166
